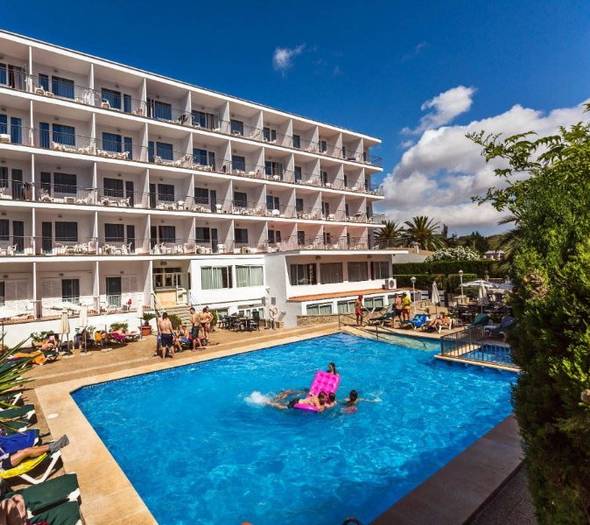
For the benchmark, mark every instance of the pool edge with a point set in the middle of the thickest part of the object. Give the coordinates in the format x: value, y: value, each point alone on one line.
x: 108, y: 497
x: 455, y: 493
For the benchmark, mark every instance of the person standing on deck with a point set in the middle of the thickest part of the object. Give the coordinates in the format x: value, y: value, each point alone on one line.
x: 205, y: 318
x: 166, y: 336
x: 195, y: 327
x: 358, y: 310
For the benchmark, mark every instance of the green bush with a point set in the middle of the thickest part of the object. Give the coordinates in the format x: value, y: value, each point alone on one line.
x: 119, y: 326
x: 551, y: 302
x: 175, y: 320
x: 479, y: 268
x: 448, y: 283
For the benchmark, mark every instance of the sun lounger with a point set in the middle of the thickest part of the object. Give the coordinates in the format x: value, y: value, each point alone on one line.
x: 10, y: 399
x: 49, y: 494
x: 65, y: 514
x: 23, y: 469
x: 417, y: 322
x: 24, y: 413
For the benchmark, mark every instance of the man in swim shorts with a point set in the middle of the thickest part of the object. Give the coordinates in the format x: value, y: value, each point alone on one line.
x: 166, y: 335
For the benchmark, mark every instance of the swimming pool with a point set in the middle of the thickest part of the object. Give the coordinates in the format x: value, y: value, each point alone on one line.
x: 199, y: 447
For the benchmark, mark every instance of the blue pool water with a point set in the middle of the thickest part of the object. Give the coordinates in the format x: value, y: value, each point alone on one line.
x: 200, y: 447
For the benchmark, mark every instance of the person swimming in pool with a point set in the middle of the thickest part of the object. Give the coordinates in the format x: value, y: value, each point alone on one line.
x: 286, y: 399
x: 332, y: 368
x: 319, y: 402
x: 331, y: 403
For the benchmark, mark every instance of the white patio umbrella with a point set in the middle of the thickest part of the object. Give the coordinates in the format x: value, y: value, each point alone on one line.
x: 435, y: 296
x: 478, y: 283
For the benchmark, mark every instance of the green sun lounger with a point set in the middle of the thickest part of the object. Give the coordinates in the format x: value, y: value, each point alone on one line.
x: 49, y: 494
x: 26, y: 412
x: 64, y: 514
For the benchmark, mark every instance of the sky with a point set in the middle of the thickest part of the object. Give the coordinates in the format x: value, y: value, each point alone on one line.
x: 417, y: 74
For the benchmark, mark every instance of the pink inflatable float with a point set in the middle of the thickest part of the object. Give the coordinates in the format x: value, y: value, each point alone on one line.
x: 322, y: 382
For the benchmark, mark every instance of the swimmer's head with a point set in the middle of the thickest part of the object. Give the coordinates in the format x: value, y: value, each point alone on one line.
x: 332, y: 368
x: 331, y: 397
x: 353, y: 396
x: 322, y: 398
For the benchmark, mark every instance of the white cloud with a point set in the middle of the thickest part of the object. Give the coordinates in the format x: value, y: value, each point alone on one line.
x: 444, y: 108
x: 282, y: 58
x: 440, y: 173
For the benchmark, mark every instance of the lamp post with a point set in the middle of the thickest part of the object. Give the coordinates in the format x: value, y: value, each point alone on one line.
x: 461, y: 283
x: 413, y: 279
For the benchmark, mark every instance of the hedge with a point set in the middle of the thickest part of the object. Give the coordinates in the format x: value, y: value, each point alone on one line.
x: 449, y: 283
x: 479, y: 268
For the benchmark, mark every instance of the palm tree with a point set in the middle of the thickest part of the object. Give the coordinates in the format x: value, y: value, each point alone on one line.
x: 424, y: 232
x: 389, y: 236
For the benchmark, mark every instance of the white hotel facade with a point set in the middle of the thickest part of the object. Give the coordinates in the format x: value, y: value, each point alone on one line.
x: 118, y: 185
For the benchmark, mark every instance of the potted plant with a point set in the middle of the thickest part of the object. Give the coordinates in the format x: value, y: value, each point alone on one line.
x: 146, y: 329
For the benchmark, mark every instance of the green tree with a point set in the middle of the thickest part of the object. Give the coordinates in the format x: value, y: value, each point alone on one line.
x: 550, y: 267
x: 389, y: 236
x: 423, y: 231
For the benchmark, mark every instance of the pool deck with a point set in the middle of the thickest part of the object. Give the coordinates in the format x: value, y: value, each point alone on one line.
x: 108, y: 497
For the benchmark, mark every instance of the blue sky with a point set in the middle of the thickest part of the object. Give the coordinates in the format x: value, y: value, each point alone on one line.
x: 366, y: 66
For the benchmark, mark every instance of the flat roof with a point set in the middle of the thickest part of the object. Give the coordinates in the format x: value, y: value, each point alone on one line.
x: 342, y: 252
x: 188, y: 84
x: 338, y: 295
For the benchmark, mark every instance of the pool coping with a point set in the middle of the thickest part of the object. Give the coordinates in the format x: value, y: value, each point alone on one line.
x: 455, y: 493
x: 107, y: 494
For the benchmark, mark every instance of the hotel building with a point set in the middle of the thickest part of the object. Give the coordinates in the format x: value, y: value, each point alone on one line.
x: 118, y: 186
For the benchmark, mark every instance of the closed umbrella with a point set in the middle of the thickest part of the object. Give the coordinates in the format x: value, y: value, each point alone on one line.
x: 83, y: 323
x: 435, y: 296
x: 64, y: 327
x: 482, y: 296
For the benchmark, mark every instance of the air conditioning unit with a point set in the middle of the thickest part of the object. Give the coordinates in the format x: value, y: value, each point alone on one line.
x: 389, y: 284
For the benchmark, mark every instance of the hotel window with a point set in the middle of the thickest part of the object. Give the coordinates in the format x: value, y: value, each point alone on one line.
x: 241, y: 235
x: 116, y: 143
x: 238, y: 163
x: 167, y: 277
x: 65, y: 183
x: 66, y: 231
x: 127, y: 106
x: 202, y: 234
x: 203, y: 120
x: 16, y: 130
x: 323, y: 146
x: 112, y: 97
x: 237, y: 127
x: 166, y: 192
x: 274, y: 236
x: 299, y: 205
x: 297, y: 174
x: 357, y: 271
x: 272, y: 203
x: 159, y: 110
x: 62, y: 87
x: 269, y: 134
x: 204, y: 157
x: 327, y: 238
x: 249, y: 276
x: 215, y: 278
x: 331, y: 273
x: 345, y: 307
x: 240, y: 199
x: 301, y: 274
x: 12, y: 76
x: 202, y: 196
x: 161, y: 149
x: 300, y: 238
x: 319, y: 309
x: 2, y: 293
x: 70, y: 290
x: 272, y: 168
x: 373, y: 302
x: 167, y: 233
x: 4, y: 230
x: 325, y: 208
x: 114, y: 233
x: 297, y: 141
x: 64, y: 134
x: 113, y: 187
x: 3, y: 177
x: 324, y: 177
x: 44, y: 81
x: 343, y: 151
x: 345, y: 180
x: 380, y: 270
